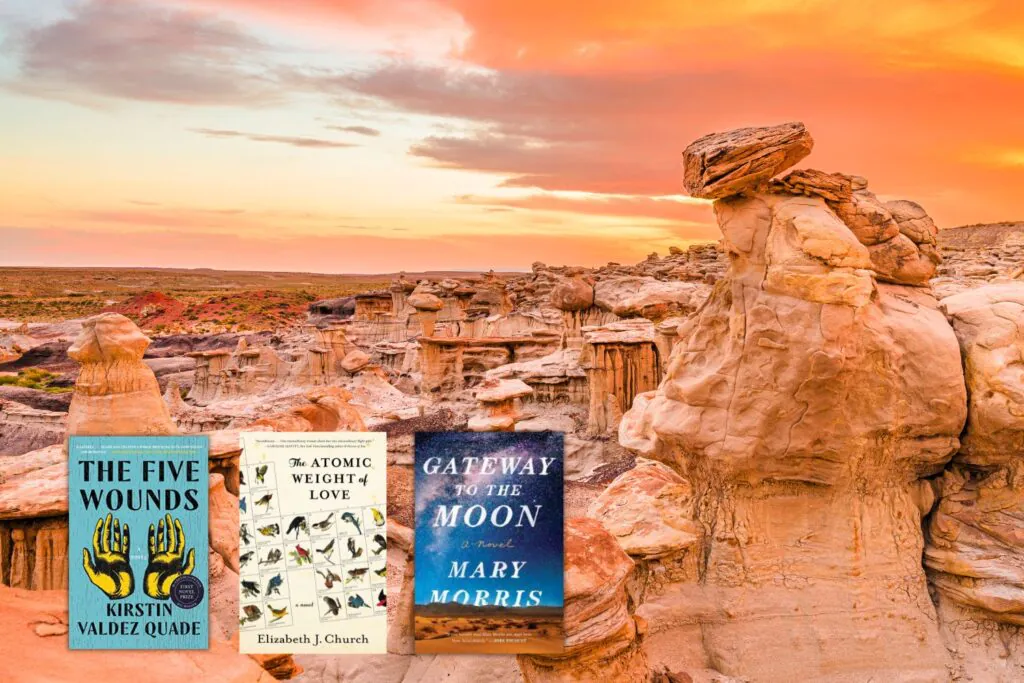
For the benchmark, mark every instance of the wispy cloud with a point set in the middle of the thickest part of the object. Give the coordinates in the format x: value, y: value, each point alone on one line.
x: 294, y: 141
x: 358, y: 130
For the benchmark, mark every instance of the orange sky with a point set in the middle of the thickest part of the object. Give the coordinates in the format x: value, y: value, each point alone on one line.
x: 355, y: 136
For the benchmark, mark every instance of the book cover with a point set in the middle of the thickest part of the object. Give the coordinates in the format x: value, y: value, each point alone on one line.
x: 138, y: 541
x: 489, y: 542
x: 313, y: 543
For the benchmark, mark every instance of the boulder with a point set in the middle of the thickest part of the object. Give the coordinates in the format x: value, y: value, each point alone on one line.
x: 424, y: 301
x: 913, y: 221
x: 572, y: 294
x: 649, y: 509
x: 501, y: 390
x: 355, y: 361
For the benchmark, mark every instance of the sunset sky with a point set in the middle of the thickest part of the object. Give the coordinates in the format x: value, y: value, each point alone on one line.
x: 362, y: 136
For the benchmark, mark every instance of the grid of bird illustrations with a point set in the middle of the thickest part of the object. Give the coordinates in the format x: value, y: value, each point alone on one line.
x: 343, y: 550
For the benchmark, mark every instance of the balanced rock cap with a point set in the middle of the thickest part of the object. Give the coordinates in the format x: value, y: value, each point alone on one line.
x: 424, y: 301
x: 724, y: 164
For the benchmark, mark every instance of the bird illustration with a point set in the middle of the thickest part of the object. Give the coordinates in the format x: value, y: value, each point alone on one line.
x: 241, y: 504
x: 241, y: 478
x: 274, y: 585
x: 297, y: 524
x: 243, y: 533
x: 244, y: 558
x: 382, y: 544
x: 383, y: 571
x: 279, y: 614
x: 250, y: 589
x: 378, y: 518
x: 325, y: 523
x: 273, y: 557
x: 382, y: 599
x: 265, y: 501
x: 356, y: 601
x: 351, y: 519
x: 356, y: 552
x: 333, y: 606
x: 301, y: 555
x: 327, y: 551
x: 329, y: 578
x: 356, y: 574
x: 261, y: 472
x: 252, y: 613
x: 269, y: 530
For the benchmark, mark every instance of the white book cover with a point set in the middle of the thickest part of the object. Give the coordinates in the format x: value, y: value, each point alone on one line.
x: 313, y: 543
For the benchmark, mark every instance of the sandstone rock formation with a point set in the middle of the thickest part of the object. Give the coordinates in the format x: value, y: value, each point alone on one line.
x: 989, y: 324
x: 602, y: 638
x: 649, y: 509
x: 498, y: 398
x: 804, y: 403
x: 24, y: 429
x: 975, y: 550
x: 427, y: 306
x: 621, y: 361
x: 328, y: 410
x: 116, y: 393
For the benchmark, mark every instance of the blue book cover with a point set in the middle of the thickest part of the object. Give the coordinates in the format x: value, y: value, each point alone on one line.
x: 489, y: 543
x: 138, y: 541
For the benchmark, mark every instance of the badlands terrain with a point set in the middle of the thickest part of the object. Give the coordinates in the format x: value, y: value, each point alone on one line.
x: 792, y: 455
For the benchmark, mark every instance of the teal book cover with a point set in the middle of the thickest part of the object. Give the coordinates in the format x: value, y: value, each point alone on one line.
x: 138, y: 542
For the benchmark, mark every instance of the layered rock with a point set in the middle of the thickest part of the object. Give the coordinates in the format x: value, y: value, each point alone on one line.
x: 804, y: 403
x: 451, y: 364
x: 724, y: 164
x: 602, y: 638
x: 24, y: 429
x: 975, y: 551
x: 556, y: 378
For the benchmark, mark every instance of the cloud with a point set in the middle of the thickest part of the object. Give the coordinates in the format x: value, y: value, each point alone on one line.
x: 312, y: 143
x: 641, y: 37
x: 358, y: 130
x: 138, y: 51
x: 694, y: 213
x: 619, y: 133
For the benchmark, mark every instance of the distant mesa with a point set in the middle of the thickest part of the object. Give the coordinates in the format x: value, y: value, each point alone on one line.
x: 983, y: 235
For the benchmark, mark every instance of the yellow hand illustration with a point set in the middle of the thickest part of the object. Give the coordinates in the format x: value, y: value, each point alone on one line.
x: 110, y: 570
x: 166, y: 555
